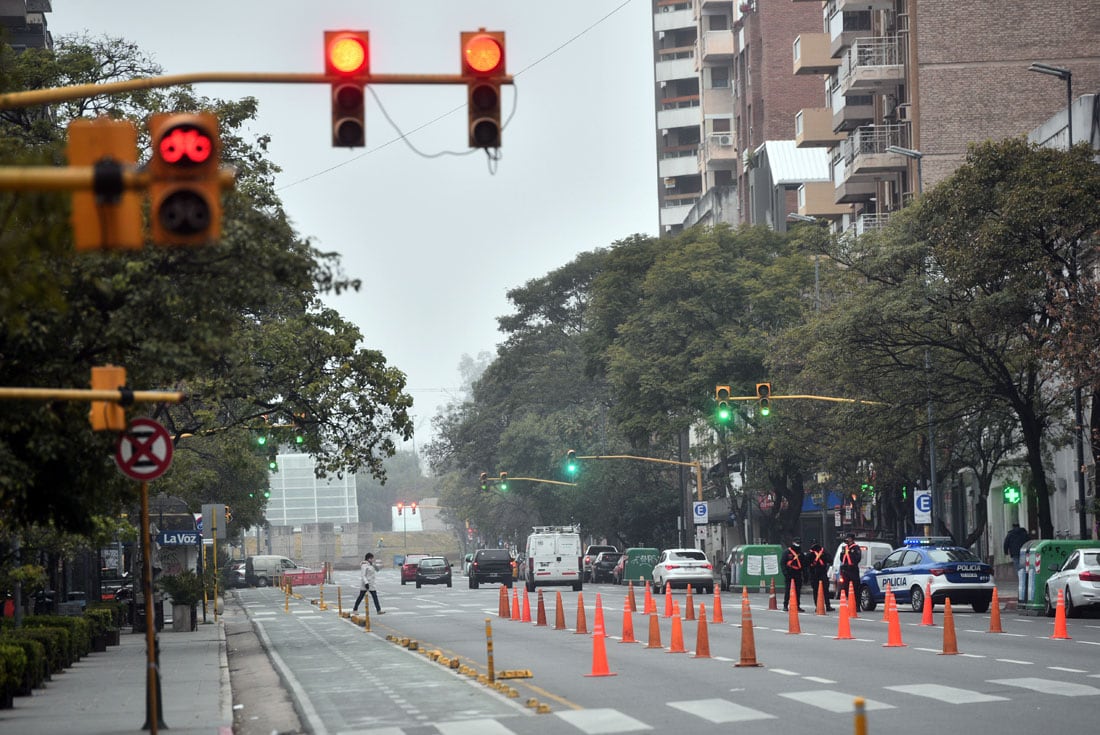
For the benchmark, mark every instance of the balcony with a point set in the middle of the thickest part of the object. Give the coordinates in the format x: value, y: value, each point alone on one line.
x: 715, y: 46
x: 846, y: 28
x: 871, y: 65
x: 679, y: 112
x: 848, y: 190
x: 866, y: 150
x: 668, y: 19
x: 870, y: 221
x: 813, y: 128
x: 853, y: 6
x: 817, y: 199
x: 674, y: 210
x: 718, y: 4
x: 678, y: 163
x: 719, y: 153
x: 812, y: 54
x: 851, y: 112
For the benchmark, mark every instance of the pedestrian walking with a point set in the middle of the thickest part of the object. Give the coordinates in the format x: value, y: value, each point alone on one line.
x: 367, y: 580
x: 818, y: 567
x: 794, y: 566
x: 850, y: 556
x: 1013, y: 543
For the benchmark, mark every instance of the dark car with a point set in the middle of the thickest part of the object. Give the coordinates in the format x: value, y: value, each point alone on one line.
x: 604, y: 566
x: 409, y: 567
x: 590, y: 555
x: 433, y: 570
x: 492, y: 565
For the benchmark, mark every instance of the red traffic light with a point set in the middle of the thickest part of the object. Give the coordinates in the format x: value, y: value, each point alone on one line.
x: 185, y: 190
x: 483, y: 53
x: 347, y: 53
x: 185, y: 145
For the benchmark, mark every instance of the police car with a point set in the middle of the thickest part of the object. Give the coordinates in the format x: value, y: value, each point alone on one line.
x: 953, y: 572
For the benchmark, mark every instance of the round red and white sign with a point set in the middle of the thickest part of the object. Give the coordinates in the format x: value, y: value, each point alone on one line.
x: 144, y: 450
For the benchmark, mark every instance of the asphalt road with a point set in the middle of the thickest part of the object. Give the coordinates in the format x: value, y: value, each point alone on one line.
x: 344, y: 680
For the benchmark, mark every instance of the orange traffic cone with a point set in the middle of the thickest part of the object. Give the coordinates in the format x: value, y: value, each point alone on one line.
x: 702, y: 638
x: 599, y: 657
x: 526, y: 617
x: 853, y: 601
x: 598, y: 628
x: 893, y: 636
x: 540, y: 620
x: 559, y: 614
x: 793, y: 627
x: 950, y: 645
x: 582, y: 621
x: 772, y: 604
x: 886, y: 603
x: 995, y: 614
x: 1060, y: 632
x: 717, y: 614
x: 654, y: 632
x: 628, y: 624
x: 515, y: 605
x: 748, y: 642
x: 630, y: 596
x: 820, y: 608
x: 926, y: 612
x: 668, y: 600
x: 504, y: 603
x: 677, y: 643
x: 843, y: 624
x: 689, y: 606
x: 649, y: 605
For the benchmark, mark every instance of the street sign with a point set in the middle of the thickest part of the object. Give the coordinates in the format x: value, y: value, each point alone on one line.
x: 178, y: 538
x: 922, y: 507
x: 144, y: 450
x: 701, y: 512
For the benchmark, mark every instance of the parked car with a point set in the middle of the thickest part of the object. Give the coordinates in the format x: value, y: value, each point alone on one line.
x: 605, y: 563
x: 952, y: 572
x: 681, y: 567
x: 467, y: 562
x: 235, y: 574
x: 433, y: 570
x: 409, y: 566
x: 1079, y: 581
x: 590, y: 555
x: 871, y: 552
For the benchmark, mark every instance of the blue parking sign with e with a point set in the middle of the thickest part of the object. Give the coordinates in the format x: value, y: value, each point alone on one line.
x: 701, y: 512
x: 922, y: 506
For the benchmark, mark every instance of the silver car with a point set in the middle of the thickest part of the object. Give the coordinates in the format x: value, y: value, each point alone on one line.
x: 681, y: 567
x: 1079, y: 581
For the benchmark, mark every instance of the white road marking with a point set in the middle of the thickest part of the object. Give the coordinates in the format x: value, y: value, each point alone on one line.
x: 1050, y: 686
x: 1064, y: 668
x: 601, y: 721
x: 482, y: 726
x: 784, y: 672
x: 819, y: 679
x: 833, y: 701
x: 1013, y: 661
x: 720, y: 711
x: 950, y: 695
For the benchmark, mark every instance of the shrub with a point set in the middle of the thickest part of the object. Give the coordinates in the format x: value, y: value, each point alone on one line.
x: 37, y: 666
x: 184, y: 588
x: 13, y: 663
x: 80, y: 631
x: 54, y: 641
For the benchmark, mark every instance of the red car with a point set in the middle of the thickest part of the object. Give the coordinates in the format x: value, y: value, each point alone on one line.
x: 410, y: 565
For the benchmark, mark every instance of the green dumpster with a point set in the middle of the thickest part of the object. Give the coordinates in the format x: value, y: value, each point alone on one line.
x: 1041, y: 559
x: 753, y: 566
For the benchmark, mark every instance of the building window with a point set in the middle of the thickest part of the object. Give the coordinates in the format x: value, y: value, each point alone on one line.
x: 719, y: 77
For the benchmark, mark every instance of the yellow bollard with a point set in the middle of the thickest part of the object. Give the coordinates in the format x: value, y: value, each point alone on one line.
x: 340, y: 601
x: 861, y: 717
x: 286, y: 605
x: 321, y: 605
x: 489, y: 647
x: 366, y: 618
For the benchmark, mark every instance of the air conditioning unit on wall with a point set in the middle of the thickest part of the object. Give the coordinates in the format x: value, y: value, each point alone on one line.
x: 723, y: 139
x: 904, y: 112
x: 670, y: 182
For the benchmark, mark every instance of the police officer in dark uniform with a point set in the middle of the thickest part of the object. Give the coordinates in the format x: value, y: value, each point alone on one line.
x: 850, y: 556
x: 818, y: 565
x: 794, y: 566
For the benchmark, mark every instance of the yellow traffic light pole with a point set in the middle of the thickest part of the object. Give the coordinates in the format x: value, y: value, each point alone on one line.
x: 28, y: 98
x: 50, y: 178
x: 84, y: 394
x: 696, y: 465
x: 531, y: 479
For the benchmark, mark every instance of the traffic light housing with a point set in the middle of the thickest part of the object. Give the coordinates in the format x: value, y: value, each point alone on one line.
x: 483, y: 66
x: 273, y: 464
x: 107, y: 215
x: 571, y: 466
x: 267, y: 494
x: 184, y: 186
x: 724, y: 412
x: 413, y: 506
x: 108, y: 415
x: 1011, y: 494
x: 484, y: 479
x: 504, y: 482
x: 400, y: 509
x: 347, y: 60
x: 763, y: 398
x: 228, y: 514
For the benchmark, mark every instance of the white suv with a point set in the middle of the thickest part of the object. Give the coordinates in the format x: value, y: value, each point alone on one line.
x: 681, y: 567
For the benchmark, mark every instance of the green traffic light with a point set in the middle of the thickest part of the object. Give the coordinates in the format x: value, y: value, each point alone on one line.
x: 724, y: 413
x: 267, y: 493
x: 261, y: 440
x: 299, y: 439
x: 571, y: 462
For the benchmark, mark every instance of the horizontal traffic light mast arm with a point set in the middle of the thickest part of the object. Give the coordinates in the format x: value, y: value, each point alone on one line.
x: 85, y: 394
x: 834, y: 399
x: 12, y: 100
x: 698, y: 467
x: 535, y: 479
x: 71, y: 178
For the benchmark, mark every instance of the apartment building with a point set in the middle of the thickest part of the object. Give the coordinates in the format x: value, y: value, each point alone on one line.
x: 723, y: 90
x: 24, y: 23
x: 907, y: 85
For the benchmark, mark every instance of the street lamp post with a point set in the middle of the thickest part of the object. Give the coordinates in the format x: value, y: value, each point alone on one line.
x: 915, y: 155
x: 1078, y: 418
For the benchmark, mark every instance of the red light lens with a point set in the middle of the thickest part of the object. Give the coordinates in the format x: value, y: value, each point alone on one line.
x: 185, y: 145
x: 483, y: 54
x: 347, y: 54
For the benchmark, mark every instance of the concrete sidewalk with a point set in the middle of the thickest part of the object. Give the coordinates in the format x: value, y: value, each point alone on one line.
x: 104, y: 693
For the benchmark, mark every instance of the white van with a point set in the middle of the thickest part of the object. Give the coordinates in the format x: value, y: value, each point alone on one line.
x: 554, y: 557
x: 266, y: 569
x: 871, y: 551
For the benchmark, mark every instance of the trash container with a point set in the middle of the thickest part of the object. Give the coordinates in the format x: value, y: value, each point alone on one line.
x: 751, y: 565
x: 1043, y: 557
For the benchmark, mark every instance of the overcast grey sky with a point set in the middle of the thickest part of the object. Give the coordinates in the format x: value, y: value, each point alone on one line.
x: 436, y: 241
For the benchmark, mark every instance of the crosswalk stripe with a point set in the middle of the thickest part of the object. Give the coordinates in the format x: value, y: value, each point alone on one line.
x: 950, y: 695
x: 482, y: 726
x: 833, y: 701
x: 601, y: 721
x: 1050, y: 686
x: 720, y: 711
